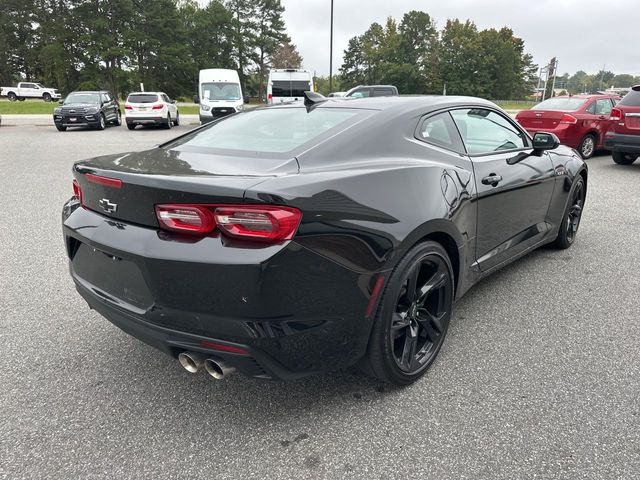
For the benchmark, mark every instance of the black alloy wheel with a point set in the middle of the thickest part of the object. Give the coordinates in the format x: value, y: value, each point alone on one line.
x: 177, y: 122
x: 103, y: 124
x: 573, y: 215
x: 46, y: 97
x: 587, y: 147
x: 118, y: 121
x: 413, y: 316
x: 168, y: 124
x: 12, y: 97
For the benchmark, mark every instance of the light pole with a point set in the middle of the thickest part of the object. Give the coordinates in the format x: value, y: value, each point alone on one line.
x: 331, y: 52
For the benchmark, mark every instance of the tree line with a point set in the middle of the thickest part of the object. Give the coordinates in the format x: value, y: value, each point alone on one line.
x: 117, y: 44
x: 459, y: 59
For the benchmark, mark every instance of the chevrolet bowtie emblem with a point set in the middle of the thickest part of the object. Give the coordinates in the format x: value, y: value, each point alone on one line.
x: 107, y: 206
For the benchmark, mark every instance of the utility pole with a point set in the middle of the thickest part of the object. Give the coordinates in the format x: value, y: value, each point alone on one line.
x: 331, y: 52
x: 555, y: 72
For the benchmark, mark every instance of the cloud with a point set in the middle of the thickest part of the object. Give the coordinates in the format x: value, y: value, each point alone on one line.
x: 583, y: 34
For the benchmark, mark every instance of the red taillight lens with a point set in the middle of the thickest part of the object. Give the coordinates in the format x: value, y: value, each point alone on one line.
x: 568, y: 119
x: 617, y: 115
x: 77, y: 191
x: 251, y: 222
x: 128, y: 107
x: 185, y: 218
x: 104, y: 181
x: 157, y: 107
x: 269, y: 223
x: 270, y: 98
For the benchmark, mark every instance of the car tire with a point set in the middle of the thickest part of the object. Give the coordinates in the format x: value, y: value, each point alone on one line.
x: 61, y: 128
x: 168, y: 124
x: 46, y: 97
x: 587, y: 147
x: 622, y: 158
x: 571, y: 216
x: 410, y: 324
x: 12, y: 96
x: 131, y: 126
x: 177, y: 121
x: 103, y: 123
x: 21, y: 99
x: 118, y: 121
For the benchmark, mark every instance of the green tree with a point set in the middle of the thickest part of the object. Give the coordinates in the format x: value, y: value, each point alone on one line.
x: 286, y: 55
x: 270, y: 34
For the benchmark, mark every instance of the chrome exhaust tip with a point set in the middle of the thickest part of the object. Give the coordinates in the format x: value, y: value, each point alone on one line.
x: 190, y: 361
x: 217, y: 370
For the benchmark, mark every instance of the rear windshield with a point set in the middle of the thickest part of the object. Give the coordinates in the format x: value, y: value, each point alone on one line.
x: 82, y: 98
x: 631, y: 99
x: 142, y: 98
x: 269, y: 130
x: 561, y: 103
x: 290, y: 88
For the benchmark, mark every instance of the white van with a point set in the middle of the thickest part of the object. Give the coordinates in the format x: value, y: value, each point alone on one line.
x: 288, y: 85
x: 219, y: 93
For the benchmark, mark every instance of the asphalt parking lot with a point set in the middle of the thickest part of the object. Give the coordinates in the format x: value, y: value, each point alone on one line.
x: 539, y: 376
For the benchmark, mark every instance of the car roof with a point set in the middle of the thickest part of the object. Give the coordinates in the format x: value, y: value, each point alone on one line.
x: 587, y: 95
x: 400, y: 103
x: 90, y: 91
x: 142, y: 93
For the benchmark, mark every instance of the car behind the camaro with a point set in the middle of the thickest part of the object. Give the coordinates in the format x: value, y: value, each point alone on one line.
x: 296, y: 239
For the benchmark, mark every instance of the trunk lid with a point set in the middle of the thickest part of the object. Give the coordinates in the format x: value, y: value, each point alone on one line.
x: 545, y: 119
x: 142, y: 180
x: 629, y: 124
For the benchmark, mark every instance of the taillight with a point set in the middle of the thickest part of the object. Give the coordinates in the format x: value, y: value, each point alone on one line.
x: 128, y: 107
x: 617, y: 115
x: 268, y: 223
x: 568, y: 119
x: 104, y: 181
x: 77, y: 191
x: 270, y: 98
x: 157, y: 107
x: 185, y: 218
x: 258, y: 222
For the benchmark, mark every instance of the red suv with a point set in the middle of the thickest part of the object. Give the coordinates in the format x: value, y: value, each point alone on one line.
x: 579, y: 121
x: 624, y: 137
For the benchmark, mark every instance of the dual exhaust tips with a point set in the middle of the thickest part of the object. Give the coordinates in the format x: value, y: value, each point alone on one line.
x: 193, y: 362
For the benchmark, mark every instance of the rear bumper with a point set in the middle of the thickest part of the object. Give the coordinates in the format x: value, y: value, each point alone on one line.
x: 617, y: 142
x: 294, y: 311
x: 565, y: 133
x: 146, y: 120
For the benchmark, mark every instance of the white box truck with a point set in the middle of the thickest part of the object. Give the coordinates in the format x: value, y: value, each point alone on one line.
x: 219, y: 93
x: 288, y: 85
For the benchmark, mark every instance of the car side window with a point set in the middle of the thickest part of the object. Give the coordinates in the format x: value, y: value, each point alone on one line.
x: 603, y: 107
x: 592, y: 108
x: 28, y: 85
x: 485, y: 131
x: 382, y: 92
x: 362, y: 93
x: 166, y: 98
x: 440, y: 130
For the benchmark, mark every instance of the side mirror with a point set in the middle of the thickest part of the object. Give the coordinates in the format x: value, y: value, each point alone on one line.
x: 545, y: 141
x: 196, y: 99
x: 60, y: 102
x: 174, y: 101
x: 246, y: 100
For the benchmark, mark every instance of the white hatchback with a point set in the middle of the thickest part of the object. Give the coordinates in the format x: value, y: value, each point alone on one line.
x: 151, y: 108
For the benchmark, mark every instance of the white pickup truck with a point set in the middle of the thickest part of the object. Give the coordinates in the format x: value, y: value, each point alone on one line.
x: 29, y: 90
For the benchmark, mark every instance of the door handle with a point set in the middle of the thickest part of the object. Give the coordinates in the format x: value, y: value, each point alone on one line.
x: 602, y: 117
x: 492, y: 180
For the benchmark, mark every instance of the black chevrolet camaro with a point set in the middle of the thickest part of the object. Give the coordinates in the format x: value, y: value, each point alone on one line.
x: 295, y: 239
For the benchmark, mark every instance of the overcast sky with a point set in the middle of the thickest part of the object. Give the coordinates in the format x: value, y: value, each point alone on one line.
x: 583, y: 34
